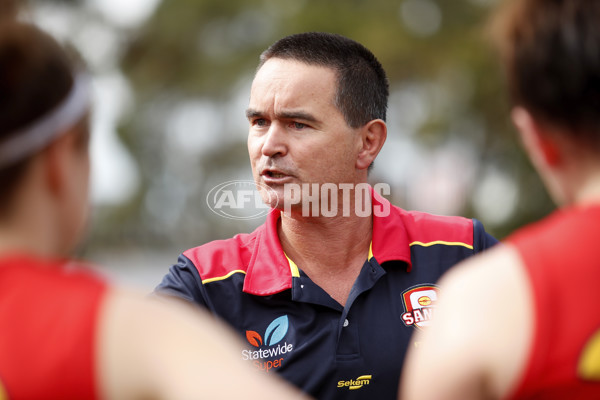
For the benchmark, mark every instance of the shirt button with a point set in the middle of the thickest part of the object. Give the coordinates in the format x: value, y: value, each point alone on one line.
x: 346, y: 323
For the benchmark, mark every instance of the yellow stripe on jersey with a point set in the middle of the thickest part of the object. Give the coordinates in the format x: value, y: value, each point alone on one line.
x: 370, y: 251
x: 220, y: 278
x: 293, y: 267
x: 589, y: 361
x: 417, y: 243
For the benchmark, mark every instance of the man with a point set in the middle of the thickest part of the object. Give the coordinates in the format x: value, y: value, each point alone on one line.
x: 326, y: 294
x: 521, y: 321
x: 66, y: 334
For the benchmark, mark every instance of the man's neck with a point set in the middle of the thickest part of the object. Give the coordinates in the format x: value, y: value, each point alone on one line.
x: 331, y: 251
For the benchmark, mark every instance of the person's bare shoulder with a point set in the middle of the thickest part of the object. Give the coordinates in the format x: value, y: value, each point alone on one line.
x: 170, y: 350
x: 477, y: 342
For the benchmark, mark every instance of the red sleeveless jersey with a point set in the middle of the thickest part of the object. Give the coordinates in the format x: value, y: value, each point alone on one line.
x: 48, y: 325
x: 562, y: 257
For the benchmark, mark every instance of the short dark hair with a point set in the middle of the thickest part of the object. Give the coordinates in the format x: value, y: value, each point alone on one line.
x: 551, y: 53
x: 362, y: 86
x: 36, y: 74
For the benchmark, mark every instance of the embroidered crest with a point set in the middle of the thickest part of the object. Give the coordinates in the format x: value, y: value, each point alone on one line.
x: 419, y: 302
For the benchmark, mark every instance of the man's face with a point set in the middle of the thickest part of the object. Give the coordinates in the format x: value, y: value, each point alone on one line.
x: 297, y: 134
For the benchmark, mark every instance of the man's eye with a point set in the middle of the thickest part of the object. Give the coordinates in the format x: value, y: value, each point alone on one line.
x: 298, y: 125
x: 260, y: 122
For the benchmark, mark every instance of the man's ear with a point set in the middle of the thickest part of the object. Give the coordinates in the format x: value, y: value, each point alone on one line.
x: 372, y: 135
x: 539, y: 143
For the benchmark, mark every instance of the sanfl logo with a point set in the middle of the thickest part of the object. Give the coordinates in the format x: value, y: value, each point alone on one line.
x: 275, y: 332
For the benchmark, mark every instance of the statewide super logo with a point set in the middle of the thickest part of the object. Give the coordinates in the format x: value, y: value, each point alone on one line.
x: 270, y: 350
x: 419, y: 302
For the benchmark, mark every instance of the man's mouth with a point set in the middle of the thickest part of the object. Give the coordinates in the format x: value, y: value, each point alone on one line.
x: 272, y: 174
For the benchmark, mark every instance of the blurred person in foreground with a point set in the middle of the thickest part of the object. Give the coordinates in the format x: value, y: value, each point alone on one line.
x: 65, y: 333
x: 327, y: 293
x: 522, y: 321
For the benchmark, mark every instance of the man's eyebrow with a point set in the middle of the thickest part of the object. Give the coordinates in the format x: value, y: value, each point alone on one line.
x: 301, y: 115
x: 252, y: 113
x: 297, y: 115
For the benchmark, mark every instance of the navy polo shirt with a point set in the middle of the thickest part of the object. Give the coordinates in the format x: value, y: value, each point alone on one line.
x: 294, y: 328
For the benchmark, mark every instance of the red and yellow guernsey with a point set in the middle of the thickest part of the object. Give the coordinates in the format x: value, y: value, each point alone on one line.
x: 562, y: 259
x: 48, y: 317
x: 294, y: 328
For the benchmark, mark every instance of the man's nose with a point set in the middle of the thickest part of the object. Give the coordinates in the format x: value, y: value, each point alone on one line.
x: 275, y: 141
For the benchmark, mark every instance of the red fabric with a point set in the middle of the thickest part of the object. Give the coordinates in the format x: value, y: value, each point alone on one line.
x: 48, y: 319
x: 562, y: 257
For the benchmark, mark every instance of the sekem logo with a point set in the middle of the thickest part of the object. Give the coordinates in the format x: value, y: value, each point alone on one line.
x: 354, y: 384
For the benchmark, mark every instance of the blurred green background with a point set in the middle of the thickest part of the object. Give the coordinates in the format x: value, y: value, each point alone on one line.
x: 172, y: 81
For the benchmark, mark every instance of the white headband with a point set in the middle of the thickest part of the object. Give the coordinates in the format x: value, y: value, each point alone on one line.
x: 41, y: 132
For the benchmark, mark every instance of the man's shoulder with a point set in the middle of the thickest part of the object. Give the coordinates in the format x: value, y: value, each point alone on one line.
x: 425, y: 219
x: 220, y: 258
x: 423, y: 227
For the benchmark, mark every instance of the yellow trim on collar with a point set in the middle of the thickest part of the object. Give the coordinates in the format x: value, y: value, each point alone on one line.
x: 468, y: 246
x: 293, y: 267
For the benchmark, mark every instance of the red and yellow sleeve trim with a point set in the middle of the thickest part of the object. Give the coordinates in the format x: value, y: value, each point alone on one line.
x: 220, y: 278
